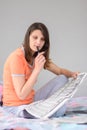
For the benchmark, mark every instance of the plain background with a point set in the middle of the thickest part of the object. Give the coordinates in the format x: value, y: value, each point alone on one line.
x: 67, y: 24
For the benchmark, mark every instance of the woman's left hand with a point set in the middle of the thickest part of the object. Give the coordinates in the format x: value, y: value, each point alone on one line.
x: 74, y: 74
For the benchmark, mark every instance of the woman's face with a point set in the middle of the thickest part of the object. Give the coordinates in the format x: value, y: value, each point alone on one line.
x: 36, y: 39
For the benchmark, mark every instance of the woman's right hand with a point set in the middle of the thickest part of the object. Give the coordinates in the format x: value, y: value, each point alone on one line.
x: 39, y: 61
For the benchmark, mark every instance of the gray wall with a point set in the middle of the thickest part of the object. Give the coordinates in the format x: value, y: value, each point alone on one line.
x: 67, y: 24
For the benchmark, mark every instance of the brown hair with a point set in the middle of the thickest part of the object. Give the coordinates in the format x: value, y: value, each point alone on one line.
x: 28, y: 52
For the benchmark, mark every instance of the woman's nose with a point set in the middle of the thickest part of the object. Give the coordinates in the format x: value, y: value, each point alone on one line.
x: 38, y: 42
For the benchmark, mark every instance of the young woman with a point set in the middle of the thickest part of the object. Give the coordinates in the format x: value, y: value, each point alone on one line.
x: 22, y: 68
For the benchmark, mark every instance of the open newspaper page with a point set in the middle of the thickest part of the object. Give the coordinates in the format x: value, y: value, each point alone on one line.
x: 46, y: 108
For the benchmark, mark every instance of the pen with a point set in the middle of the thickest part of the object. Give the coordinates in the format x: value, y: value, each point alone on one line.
x: 37, y: 49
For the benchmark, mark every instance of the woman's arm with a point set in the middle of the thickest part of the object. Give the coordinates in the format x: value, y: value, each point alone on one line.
x: 58, y: 70
x: 22, y: 87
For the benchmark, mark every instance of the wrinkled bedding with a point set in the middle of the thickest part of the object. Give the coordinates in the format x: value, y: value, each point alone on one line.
x: 75, y: 108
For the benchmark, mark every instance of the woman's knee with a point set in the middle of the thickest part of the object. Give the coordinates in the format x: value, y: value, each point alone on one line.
x: 57, y: 83
x: 61, y: 79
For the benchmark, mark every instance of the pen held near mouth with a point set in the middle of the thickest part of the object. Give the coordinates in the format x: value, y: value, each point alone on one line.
x: 38, y: 49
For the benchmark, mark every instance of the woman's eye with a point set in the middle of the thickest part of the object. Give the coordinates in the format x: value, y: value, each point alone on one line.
x: 35, y: 37
x: 42, y: 39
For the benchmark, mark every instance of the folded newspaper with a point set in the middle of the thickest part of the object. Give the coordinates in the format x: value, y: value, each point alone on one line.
x: 46, y: 108
x: 77, y: 119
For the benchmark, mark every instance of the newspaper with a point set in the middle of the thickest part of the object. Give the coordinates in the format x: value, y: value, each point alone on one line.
x: 77, y: 119
x: 45, y: 108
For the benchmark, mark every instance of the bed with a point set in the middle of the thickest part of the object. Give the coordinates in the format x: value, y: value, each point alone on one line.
x: 75, y: 118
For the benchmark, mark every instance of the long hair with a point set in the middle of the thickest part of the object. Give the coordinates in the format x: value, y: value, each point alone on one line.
x: 46, y: 47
